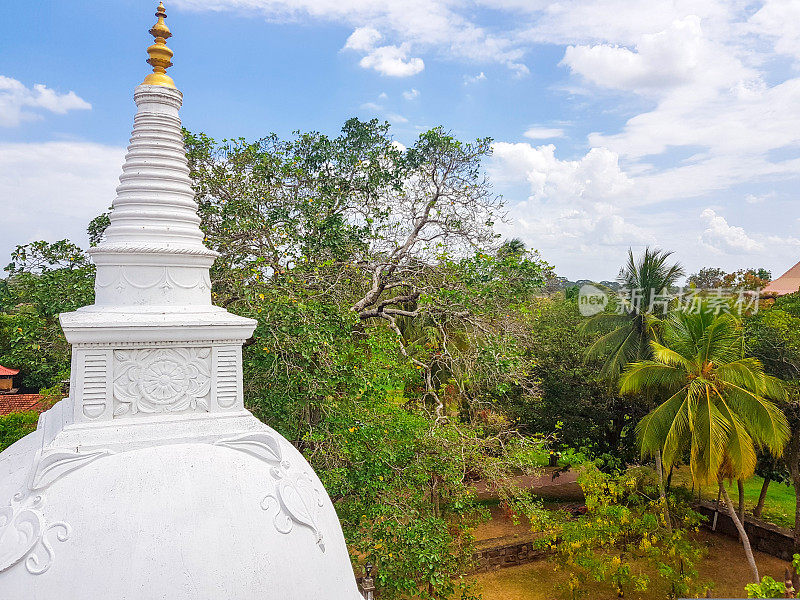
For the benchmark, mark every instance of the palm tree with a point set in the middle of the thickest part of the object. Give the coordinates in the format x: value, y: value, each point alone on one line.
x: 628, y: 333
x: 716, y: 409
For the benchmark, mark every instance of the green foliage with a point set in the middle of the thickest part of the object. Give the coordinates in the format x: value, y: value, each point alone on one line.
x: 15, y: 426
x: 743, y: 279
x: 622, y: 540
x: 585, y: 412
x: 773, y: 335
x: 43, y: 280
x: 768, y: 588
x: 707, y: 278
x: 402, y: 489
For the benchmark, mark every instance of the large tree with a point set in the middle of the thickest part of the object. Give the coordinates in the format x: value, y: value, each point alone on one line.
x: 389, y: 231
x: 387, y: 335
x: 715, y: 407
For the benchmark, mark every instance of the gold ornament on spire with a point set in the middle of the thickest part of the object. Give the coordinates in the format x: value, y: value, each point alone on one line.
x: 160, y: 55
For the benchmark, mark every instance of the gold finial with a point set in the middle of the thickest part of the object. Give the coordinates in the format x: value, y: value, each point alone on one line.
x: 160, y: 55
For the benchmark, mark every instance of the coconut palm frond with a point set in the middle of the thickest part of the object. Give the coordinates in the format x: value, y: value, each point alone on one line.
x: 603, y: 323
x: 616, y: 346
x: 650, y: 375
x: 775, y: 389
x: 747, y: 373
x: 765, y: 421
x: 654, y: 427
x: 668, y: 356
x: 740, y: 449
x: 678, y: 436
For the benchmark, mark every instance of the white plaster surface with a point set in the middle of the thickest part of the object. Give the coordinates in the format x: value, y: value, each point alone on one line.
x: 152, y: 481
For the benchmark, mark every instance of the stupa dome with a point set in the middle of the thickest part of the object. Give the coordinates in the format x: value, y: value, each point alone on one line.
x: 152, y: 481
x: 233, y: 515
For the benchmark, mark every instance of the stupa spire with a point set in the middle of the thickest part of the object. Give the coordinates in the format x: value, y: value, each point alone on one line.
x: 152, y: 466
x: 160, y: 55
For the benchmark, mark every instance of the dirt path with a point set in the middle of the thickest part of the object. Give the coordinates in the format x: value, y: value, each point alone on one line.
x: 725, y: 565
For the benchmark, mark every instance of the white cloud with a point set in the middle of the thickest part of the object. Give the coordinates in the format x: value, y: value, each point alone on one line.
x: 411, y: 94
x: 676, y: 56
x: 759, y: 198
x: 52, y: 190
x: 572, y: 204
x: 363, y: 39
x: 372, y: 106
x: 470, y: 79
x: 597, y: 175
x: 387, y: 60
x: 392, y: 61
x: 616, y: 21
x: 721, y: 237
x: 779, y: 22
x: 424, y: 25
x: 396, y: 118
x: 19, y: 103
x: 543, y: 133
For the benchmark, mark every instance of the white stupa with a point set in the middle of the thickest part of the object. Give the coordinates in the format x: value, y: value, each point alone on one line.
x: 152, y: 481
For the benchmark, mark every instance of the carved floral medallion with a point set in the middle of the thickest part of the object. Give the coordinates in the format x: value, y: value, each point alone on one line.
x: 157, y: 380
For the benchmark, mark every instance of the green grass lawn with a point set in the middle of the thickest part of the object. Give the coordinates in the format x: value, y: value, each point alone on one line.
x: 779, y: 506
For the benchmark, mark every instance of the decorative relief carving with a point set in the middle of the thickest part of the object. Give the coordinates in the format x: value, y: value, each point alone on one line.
x: 227, y: 377
x: 296, y: 499
x: 25, y: 533
x: 161, y: 380
x: 24, y: 530
x: 53, y: 465
x: 106, y: 248
x: 166, y: 279
x: 95, y: 372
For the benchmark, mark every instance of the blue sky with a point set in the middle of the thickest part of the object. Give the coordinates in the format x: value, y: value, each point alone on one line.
x: 615, y: 123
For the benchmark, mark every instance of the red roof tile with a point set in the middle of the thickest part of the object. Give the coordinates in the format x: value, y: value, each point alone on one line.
x: 10, y: 403
x: 6, y: 372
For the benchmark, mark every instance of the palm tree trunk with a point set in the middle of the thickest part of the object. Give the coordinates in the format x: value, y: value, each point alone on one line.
x: 740, y: 485
x: 661, y: 492
x: 716, y: 508
x: 748, y: 551
x: 762, y: 497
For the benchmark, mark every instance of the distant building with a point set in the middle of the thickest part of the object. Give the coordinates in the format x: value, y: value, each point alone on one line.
x: 11, y: 401
x: 788, y: 283
x: 7, y: 380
